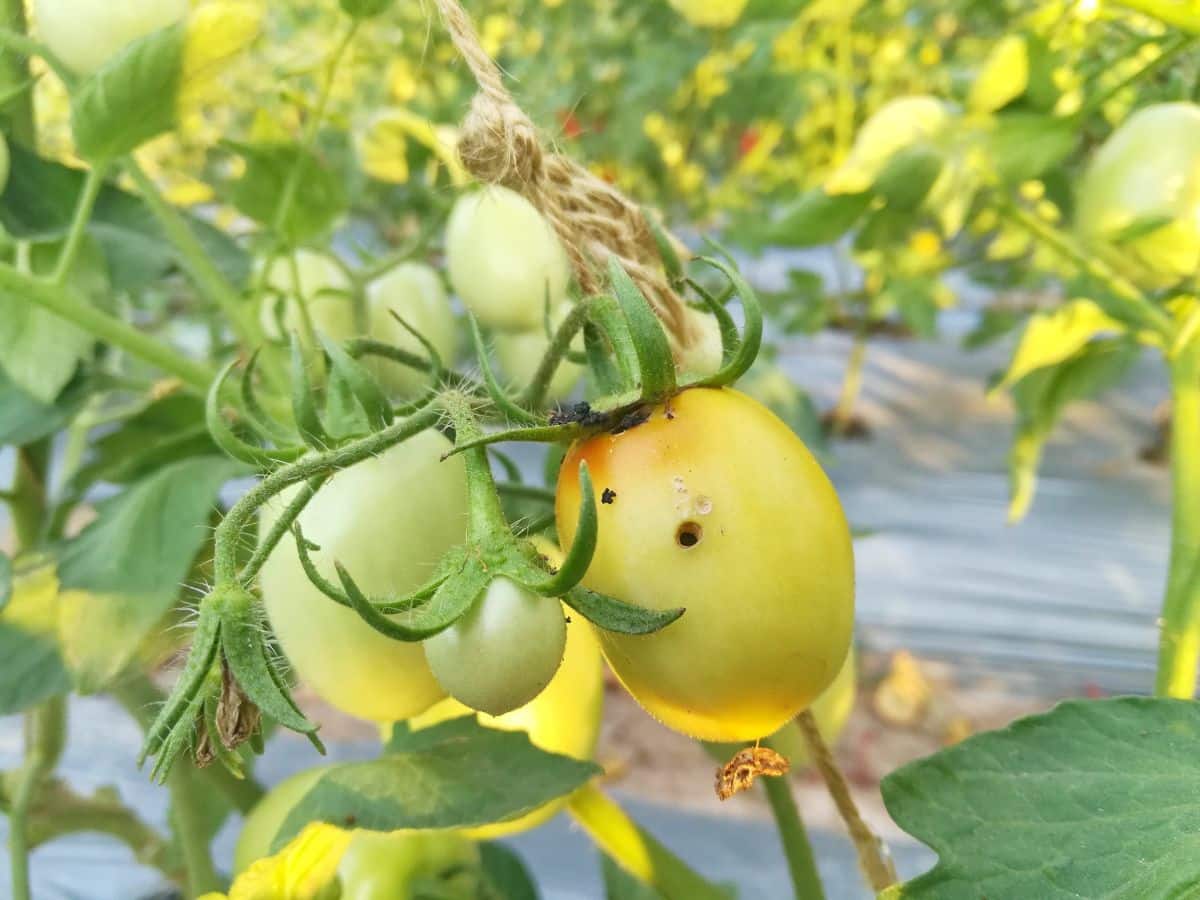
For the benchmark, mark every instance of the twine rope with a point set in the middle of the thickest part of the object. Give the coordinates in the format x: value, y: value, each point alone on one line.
x: 499, y: 144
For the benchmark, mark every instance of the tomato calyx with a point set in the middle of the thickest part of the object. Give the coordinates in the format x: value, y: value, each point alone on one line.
x: 230, y: 677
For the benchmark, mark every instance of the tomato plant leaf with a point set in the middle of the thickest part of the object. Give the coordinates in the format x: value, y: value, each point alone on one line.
x: 31, y: 666
x: 816, y: 218
x: 1025, y: 145
x: 908, y: 177
x: 622, y: 885
x: 39, y: 350
x: 1052, y: 337
x: 1095, y: 798
x: 39, y: 200
x: 131, y: 563
x: 454, y: 775
x: 319, y: 201
x: 1043, y: 394
x: 505, y: 873
x: 132, y: 98
x: 615, y: 615
x: 25, y: 419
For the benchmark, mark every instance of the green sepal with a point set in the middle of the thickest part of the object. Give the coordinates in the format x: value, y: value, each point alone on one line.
x: 457, y: 593
x: 224, y: 437
x: 609, y: 346
x: 537, y: 434
x: 339, y: 596
x: 616, y: 615
x: 255, y: 414
x: 666, y: 249
x: 437, y: 366
x: 245, y: 652
x: 362, y: 384
x: 751, y: 338
x: 205, y: 642
x: 730, y: 337
x: 499, y: 396
x: 304, y: 406
x: 579, y: 557
x: 656, y: 365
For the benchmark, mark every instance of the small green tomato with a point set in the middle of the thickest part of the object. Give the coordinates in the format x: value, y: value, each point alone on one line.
x: 414, y: 292
x: 325, y: 289
x: 504, y: 259
x: 85, y: 34
x: 502, y: 652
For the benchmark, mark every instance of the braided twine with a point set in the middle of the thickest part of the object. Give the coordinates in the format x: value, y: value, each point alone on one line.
x: 499, y: 144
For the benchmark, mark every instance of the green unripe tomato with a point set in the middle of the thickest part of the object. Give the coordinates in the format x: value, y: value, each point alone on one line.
x: 504, y: 259
x: 415, y: 293
x: 375, y: 865
x: 519, y: 353
x: 1148, y: 169
x: 503, y: 651
x: 389, y: 520
x: 85, y: 34
x: 703, y: 356
x: 326, y: 292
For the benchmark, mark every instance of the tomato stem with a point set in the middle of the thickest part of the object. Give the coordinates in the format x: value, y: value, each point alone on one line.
x: 806, y: 881
x: 486, y: 510
x: 560, y: 346
x: 229, y: 532
x: 1179, y: 641
x: 84, y: 205
x: 188, y: 823
x: 843, y: 413
x: 873, y: 858
x: 45, y: 729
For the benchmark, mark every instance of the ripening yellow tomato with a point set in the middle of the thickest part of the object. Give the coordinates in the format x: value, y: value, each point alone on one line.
x: 717, y: 507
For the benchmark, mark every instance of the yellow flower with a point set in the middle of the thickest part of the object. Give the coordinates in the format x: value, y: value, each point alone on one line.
x: 216, y: 33
x: 710, y: 13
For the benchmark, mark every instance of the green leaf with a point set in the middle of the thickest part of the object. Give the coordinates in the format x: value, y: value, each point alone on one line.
x: 458, y: 774
x: 39, y: 200
x: 365, y: 9
x: 908, y: 176
x: 917, y: 304
x: 318, y: 201
x: 31, y: 669
x: 1042, y: 395
x: 621, y: 885
x: 817, y: 218
x: 1093, y: 799
x: 131, y: 563
x: 505, y: 873
x: 1026, y: 145
x: 39, y: 351
x: 165, y: 430
x: 131, y: 99
x: 24, y: 419
x: 1052, y: 337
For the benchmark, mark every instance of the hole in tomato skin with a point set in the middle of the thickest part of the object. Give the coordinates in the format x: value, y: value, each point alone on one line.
x: 689, y: 534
